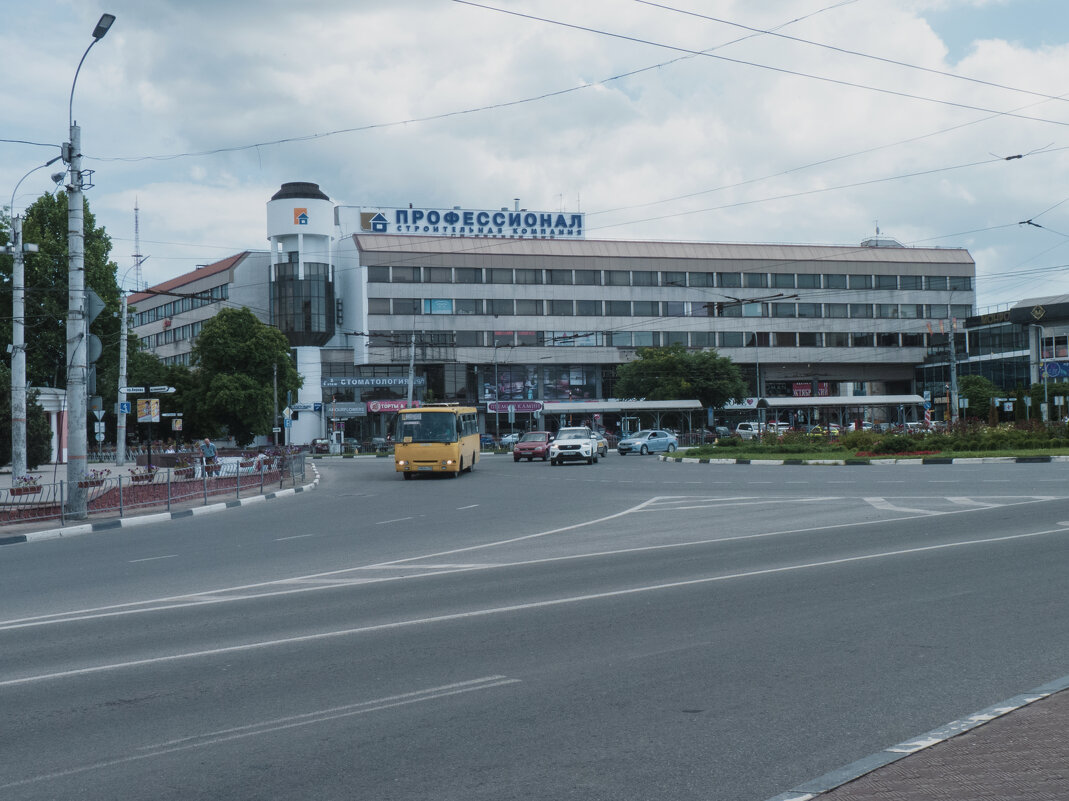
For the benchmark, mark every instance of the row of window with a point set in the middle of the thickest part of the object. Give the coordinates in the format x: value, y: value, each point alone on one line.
x: 649, y: 339
x: 165, y: 310
x: 663, y: 308
x: 179, y: 333
x: 732, y: 280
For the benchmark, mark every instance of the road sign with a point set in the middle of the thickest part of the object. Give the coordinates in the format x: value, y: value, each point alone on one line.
x: 301, y: 407
x: 287, y: 413
x: 98, y: 413
x: 100, y: 437
x: 124, y: 407
x: 289, y: 423
x: 131, y: 390
x: 99, y: 427
x: 276, y: 430
x: 162, y: 390
x: 317, y: 407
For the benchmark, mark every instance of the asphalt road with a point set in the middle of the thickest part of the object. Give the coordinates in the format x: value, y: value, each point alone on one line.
x: 629, y: 630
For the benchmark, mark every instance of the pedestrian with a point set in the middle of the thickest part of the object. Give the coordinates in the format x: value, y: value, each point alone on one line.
x: 207, y: 451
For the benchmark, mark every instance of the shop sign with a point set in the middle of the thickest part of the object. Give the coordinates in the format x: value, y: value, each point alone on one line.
x: 518, y: 406
x: 495, y: 223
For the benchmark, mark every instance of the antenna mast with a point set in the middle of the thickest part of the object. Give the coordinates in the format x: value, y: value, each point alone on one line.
x: 137, y: 248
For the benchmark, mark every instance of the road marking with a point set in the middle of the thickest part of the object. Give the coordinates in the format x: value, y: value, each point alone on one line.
x: 294, y: 537
x: 278, y: 724
x: 152, y: 558
x: 396, y: 520
x: 886, y: 506
x: 511, y: 609
x: 472, y: 506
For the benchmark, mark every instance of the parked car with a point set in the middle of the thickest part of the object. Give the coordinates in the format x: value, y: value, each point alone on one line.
x: 825, y: 430
x: 647, y: 441
x: 532, y: 445
x: 320, y: 446
x: 486, y: 441
x: 509, y: 440
x: 711, y: 435
x: 749, y: 430
x: 574, y: 445
x: 602, y: 443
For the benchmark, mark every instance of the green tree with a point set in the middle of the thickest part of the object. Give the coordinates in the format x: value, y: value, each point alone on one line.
x: 674, y: 373
x: 979, y: 391
x: 38, y: 430
x: 234, y: 359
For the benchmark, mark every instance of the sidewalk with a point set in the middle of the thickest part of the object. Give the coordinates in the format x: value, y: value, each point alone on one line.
x: 1014, y: 751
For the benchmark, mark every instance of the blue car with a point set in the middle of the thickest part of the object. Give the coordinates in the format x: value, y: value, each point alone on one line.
x: 486, y: 441
x: 647, y: 441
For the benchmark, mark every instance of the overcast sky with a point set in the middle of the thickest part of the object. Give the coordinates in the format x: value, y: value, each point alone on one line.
x: 786, y: 121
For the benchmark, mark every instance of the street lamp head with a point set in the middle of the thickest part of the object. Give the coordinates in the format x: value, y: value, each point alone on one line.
x: 103, y: 25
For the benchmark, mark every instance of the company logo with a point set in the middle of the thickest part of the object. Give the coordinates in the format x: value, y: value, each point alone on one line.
x: 374, y: 222
x: 300, y: 216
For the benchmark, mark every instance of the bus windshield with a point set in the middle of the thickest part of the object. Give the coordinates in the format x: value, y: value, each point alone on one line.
x: 426, y: 427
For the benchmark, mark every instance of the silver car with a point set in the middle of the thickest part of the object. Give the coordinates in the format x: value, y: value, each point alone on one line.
x: 648, y: 441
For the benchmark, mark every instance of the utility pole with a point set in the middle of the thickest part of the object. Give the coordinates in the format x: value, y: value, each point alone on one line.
x: 18, y: 352
x: 120, y: 424
x: 411, y: 366
x: 275, y: 402
x: 953, y: 401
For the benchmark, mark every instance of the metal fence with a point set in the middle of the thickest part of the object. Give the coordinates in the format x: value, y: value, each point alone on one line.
x: 157, y: 488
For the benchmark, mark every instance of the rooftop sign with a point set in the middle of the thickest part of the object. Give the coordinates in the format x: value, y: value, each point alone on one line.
x: 499, y: 223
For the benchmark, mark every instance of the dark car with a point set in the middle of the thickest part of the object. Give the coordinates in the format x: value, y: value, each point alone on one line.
x: 532, y: 445
x: 320, y: 446
x: 486, y: 441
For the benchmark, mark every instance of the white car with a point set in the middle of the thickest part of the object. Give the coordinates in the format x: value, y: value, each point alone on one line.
x: 574, y: 445
x: 509, y: 440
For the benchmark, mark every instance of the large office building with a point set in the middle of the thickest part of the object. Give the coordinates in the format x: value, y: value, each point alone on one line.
x: 516, y: 310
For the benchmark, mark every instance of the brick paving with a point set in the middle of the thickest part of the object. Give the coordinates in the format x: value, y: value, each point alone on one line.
x: 1020, y: 756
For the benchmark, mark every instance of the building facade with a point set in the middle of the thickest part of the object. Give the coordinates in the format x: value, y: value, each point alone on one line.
x: 510, y: 307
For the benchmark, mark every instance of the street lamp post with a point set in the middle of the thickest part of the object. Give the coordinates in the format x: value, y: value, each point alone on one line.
x: 1043, y: 369
x: 77, y: 335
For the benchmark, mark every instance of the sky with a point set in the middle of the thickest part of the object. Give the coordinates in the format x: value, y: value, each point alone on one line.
x: 941, y: 123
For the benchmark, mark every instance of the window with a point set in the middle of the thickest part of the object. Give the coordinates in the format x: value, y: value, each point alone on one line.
x: 755, y: 310
x: 861, y: 340
x: 960, y: 282
x: 702, y: 339
x: 500, y: 275
x: 468, y: 306
x: 809, y: 310
x: 528, y: 276
x: 500, y: 306
x: 700, y: 279
x: 673, y: 279
x: 757, y: 339
x: 834, y: 281
x: 620, y: 339
x: 406, y: 306
x: 674, y: 308
x: 808, y: 339
x: 783, y: 280
x: 562, y: 307
x: 936, y: 311
x: 645, y: 308
x: 588, y: 277
x: 530, y: 307
x: 438, y: 275
x: 588, y: 308
x: 887, y: 282
x: 836, y: 339
x: 527, y: 338
x: 468, y: 275
x: 757, y: 280
x: 378, y: 305
x: 887, y: 340
x: 960, y: 310
x: 560, y: 277
x: 783, y: 310
x: 912, y: 340
x: 618, y: 308
x: 860, y: 281
x: 784, y: 339
x: 835, y: 310
x: 469, y: 339
x: 808, y: 280
x: 406, y: 275
x: 910, y: 311
x: 935, y: 282
x: 729, y: 309
x: 645, y: 339
x: 617, y: 278
x: 887, y: 311
x: 437, y: 306
x: 862, y: 310
x: 643, y: 278
x: 729, y: 279
x: 676, y: 338
x: 909, y: 282
x: 731, y: 339
x: 378, y: 275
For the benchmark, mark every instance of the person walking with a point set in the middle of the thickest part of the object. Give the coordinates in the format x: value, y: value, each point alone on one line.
x: 207, y: 452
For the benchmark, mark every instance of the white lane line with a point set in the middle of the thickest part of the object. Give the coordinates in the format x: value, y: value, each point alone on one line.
x: 886, y: 506
x: 962, y: 501
x: 395, y: 520
x: 280, y: 724
x: 472, y: 506
x: 510, y: 609
x: 152, y: 558
x: 294, y: 537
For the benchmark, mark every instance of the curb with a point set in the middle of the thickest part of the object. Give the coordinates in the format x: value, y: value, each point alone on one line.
x: 857, y: 461
x: 157, y: 517
x: 855, y: 770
